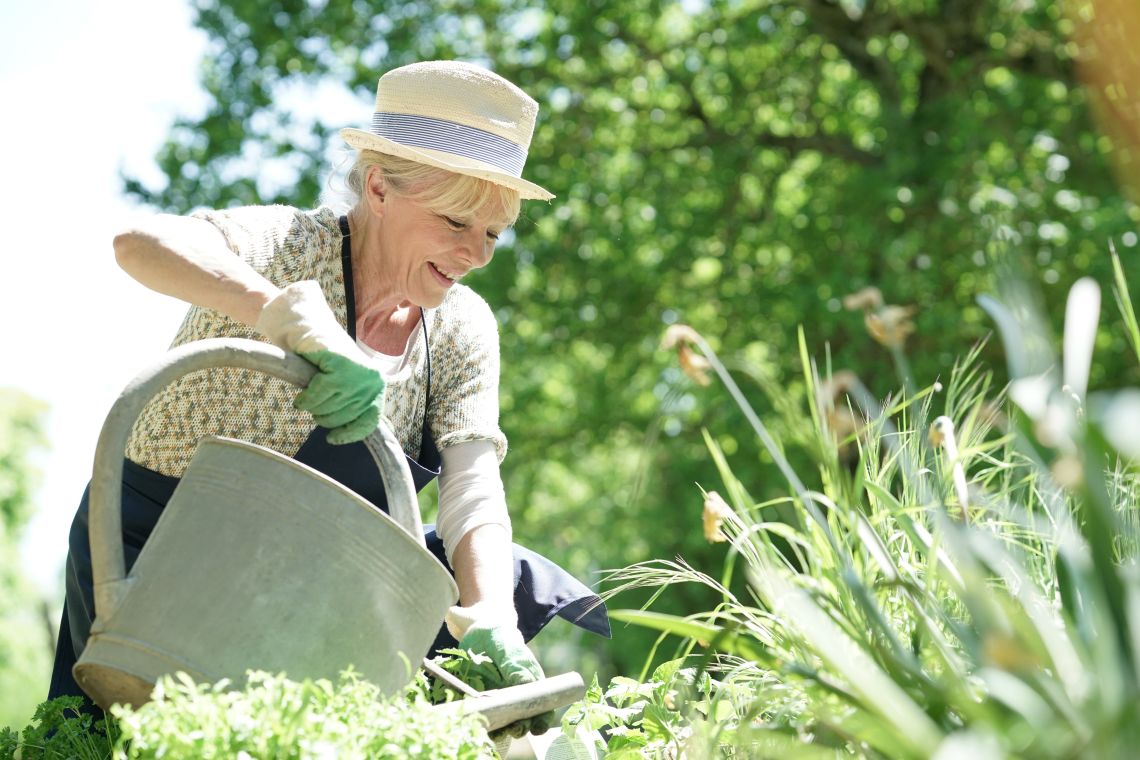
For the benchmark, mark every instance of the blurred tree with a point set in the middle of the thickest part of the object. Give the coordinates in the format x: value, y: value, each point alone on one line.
x: 24, y: 642
x: 1103, y: 31
x: 739, y: 165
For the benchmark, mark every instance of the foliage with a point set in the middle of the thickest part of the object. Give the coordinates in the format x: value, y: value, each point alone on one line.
x: 962, y: 589
x: 475, y: 669
x: 270, y: 716
x: 659, y: 717
x: 60, y: 730
x: 275, y: 717
x: 25, y: 636
x: 21, y: 434
x: 739, y: 165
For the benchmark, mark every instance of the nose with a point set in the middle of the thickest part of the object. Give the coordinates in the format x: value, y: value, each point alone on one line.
x: 479, y: 248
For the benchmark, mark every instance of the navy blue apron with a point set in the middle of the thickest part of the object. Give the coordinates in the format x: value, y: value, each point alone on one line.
x: 543, y: 590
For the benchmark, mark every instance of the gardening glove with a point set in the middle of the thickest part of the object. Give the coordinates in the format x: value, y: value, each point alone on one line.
x: 492, y: 631
x: 346, y: 394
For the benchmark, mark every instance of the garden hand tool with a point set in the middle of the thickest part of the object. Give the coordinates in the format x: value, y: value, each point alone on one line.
x: 346, y: 395
x: 486, y: 629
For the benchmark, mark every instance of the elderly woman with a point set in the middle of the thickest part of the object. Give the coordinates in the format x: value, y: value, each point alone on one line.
x: 374, y: 300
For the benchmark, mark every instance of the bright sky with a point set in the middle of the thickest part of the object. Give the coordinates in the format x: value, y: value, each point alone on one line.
x: 87, y: 88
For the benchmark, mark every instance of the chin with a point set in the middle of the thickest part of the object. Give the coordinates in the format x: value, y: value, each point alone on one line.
x: 429, y: 300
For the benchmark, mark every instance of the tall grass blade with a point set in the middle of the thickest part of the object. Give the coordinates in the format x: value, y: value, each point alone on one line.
x: 1124, y: 302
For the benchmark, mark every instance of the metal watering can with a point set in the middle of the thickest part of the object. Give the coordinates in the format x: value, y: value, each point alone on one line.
x: 260, y: 562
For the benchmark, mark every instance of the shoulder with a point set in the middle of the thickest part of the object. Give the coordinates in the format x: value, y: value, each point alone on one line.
x: 464, y: 311
x: 261, y: 227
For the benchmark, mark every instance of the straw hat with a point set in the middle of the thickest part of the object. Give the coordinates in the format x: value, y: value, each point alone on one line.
x: 456, y: 116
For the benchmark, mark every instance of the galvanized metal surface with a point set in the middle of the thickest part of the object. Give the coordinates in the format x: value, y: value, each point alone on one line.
x: 260, y: 562
x: 257, y: 561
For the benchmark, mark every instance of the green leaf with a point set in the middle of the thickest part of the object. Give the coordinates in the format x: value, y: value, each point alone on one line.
x: 705, y: 634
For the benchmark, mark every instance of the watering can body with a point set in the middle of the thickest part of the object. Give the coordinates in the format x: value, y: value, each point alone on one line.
x: 258, y: 562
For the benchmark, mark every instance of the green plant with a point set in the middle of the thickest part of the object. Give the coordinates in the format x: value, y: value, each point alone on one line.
x: 59, y: 730
x: 676, y: 710
x: 964, y: 585
x: 476, y: 670
x: 26, y: 642
x: 275, y: 717
x: 270, y: 717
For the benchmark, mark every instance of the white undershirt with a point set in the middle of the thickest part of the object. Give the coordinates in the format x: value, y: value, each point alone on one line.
x: 470, y: 486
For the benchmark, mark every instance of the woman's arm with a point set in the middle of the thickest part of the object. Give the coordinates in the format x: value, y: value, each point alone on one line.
x: 484, y: 572
x: 188, y: 259
x: 475, y: 526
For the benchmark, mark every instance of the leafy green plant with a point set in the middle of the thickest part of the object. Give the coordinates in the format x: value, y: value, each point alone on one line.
x: 963, y: 586
x: 475, y: 669
x: 275, y: 717
x: 271, y: 717
x: 677, y: 708
x: 60, y: 730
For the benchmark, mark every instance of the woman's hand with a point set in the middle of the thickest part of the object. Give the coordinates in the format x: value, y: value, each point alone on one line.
x: 346, y: 395
x: 480, y: 629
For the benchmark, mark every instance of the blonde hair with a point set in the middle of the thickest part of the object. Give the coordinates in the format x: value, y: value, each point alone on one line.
x: 446, y: 193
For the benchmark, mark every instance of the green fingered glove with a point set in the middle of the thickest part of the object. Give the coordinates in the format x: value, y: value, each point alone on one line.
x: 503, y: 643
x: 346, y: 394
x: 505, y: 646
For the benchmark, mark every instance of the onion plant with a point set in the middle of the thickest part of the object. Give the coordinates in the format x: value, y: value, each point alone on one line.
x: 964, y: 585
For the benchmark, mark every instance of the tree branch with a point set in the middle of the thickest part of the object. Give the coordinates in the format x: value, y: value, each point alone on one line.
x: 851, y: 37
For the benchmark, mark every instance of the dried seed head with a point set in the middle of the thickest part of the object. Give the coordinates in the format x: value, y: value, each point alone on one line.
x: 683, y: 338
x: 678, y: 334
x: 1007, y: 653
x: 694, y: 365
x: 716, y: 511
x: 837, y: 384
x: 1067, y: 471
x: 939, y: 429
x: 890, y: 325
x: 866, y: 299
x: 842, y: 422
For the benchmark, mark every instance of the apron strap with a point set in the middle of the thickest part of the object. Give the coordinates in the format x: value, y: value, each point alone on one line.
x: 346, y: 269
x: 429, y: 457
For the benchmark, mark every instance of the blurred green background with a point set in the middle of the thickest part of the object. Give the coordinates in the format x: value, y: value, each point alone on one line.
x: 739, y: 166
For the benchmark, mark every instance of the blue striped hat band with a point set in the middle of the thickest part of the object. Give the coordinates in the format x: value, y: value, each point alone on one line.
x: 449, y: 137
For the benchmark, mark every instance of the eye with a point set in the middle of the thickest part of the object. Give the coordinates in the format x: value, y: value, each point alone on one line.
x: 492, y: 235
x: 454, y: 224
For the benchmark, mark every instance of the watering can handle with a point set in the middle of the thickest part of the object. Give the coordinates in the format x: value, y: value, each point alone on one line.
x: 106, y: 539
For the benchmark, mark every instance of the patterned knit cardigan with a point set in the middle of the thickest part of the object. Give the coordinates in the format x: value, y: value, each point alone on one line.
x: 287, y: 245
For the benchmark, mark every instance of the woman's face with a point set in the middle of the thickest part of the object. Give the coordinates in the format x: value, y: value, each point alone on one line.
x: 426, y: 252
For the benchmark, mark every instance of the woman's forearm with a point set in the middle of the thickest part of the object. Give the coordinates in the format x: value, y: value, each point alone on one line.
x: 484, y: 570
x: 188, y: 259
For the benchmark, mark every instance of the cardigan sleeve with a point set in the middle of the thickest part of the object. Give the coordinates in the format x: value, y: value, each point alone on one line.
x: 465, y: 358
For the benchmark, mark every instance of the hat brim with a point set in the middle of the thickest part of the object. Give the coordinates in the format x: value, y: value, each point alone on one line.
x: 362, y: 140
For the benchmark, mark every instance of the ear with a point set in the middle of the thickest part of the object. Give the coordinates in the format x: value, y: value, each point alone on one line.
x: 375, y: 190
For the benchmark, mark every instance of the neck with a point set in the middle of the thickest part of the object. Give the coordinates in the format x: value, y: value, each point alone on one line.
x: 375, y: 291
x: 379, y: 306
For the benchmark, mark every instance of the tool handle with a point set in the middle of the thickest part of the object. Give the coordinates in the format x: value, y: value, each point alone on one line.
x: 106, y: 539
x: 502, y: 707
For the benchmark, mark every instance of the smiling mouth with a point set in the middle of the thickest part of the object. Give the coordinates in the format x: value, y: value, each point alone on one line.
x: 450, y: 278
